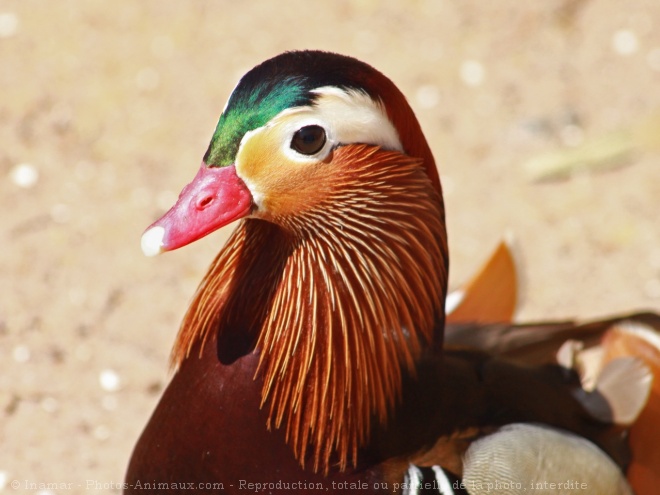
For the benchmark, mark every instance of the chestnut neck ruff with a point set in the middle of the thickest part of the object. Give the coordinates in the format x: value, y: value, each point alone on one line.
x: 339, y: 301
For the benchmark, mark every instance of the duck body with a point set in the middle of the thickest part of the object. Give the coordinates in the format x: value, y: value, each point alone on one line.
x: 313, y: 349
x: 210, y: 430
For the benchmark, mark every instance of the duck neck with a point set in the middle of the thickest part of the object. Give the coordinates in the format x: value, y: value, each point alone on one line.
x: 339, y: 301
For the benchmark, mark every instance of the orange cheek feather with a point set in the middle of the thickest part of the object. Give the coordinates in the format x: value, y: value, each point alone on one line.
x: 281, y: 186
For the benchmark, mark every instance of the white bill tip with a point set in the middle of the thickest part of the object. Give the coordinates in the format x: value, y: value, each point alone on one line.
x: 152, y: 241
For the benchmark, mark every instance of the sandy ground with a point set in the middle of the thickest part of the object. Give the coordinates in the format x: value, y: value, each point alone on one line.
x: 105, y: 113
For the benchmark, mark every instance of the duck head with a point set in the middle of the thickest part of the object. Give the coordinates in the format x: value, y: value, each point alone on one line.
x: 277, y: 140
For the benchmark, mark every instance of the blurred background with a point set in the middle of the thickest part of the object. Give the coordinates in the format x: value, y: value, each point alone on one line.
x: 543, y: 117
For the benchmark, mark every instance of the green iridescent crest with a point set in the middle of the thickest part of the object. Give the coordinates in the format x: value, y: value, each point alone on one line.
x: 250, y: 107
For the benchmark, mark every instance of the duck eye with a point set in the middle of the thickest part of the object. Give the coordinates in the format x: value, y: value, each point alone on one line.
x: 308, y: 140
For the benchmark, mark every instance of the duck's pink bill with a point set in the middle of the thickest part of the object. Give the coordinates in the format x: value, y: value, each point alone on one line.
x: 215, y: 198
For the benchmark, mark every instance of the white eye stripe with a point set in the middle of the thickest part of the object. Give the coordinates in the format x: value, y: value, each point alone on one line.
x: 348, y: 116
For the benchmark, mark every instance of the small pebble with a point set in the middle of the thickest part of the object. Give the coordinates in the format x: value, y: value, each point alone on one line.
x: 3, y: 479
x: 21, y: 354
x: 24, y: 175
x: 109, y: 380
x: 472, y: 72
x: 8, y: 24
x: 625, y: 42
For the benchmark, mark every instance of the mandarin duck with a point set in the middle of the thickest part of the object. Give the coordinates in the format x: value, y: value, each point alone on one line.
x: 312, y: 355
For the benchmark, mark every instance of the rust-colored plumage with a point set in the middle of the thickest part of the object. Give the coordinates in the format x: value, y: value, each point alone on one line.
x: 491, y: 295
x: 353, y: 291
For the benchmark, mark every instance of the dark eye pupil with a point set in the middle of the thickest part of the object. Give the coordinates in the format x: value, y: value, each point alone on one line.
x: 308, y: 140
